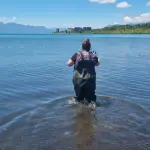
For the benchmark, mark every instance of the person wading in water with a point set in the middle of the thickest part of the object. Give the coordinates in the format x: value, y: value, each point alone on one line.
x: 84, y: 76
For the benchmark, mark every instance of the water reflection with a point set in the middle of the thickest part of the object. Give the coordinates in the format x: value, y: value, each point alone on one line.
x: 84, y: 128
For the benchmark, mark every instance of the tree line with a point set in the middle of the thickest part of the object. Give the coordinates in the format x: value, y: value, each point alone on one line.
x: 143, y: 28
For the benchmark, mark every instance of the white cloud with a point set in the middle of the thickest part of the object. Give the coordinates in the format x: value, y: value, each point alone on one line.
x: 148, y: 3
x: 123, y: 5
x: 115, y: 23
x: 7, y: 20
x: 103, y: 1
x: 141, y: 18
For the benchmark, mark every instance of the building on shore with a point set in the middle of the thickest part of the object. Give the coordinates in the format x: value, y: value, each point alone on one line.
x: 78, y: 29
x: 70, y: 29
x: 87, y: 28
x: 57, y: 30
x: 74, y: 30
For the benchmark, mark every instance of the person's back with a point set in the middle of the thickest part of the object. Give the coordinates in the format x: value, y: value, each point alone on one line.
x: 84, y: 78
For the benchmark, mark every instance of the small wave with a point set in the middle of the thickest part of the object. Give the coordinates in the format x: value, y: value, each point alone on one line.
x: 7, y: 120
x: 117, y: 119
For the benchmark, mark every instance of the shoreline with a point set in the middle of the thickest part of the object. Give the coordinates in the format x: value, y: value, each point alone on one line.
x: 83, y: 34
x: 100, y: 33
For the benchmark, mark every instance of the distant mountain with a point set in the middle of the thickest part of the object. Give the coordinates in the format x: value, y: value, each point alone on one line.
x: 13, y: 28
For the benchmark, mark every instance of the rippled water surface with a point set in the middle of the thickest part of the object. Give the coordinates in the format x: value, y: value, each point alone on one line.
x: 36, y: 86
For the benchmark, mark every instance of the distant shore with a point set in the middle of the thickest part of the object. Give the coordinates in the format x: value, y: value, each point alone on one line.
x: 103, y: 33
x: 143, y: 28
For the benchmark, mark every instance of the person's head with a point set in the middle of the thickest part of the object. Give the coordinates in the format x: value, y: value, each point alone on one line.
x: 86, y: 45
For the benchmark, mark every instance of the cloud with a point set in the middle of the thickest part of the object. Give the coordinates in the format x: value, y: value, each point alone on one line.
x: 148, y: 4
x: 138, y: 19
x: 123, y: 5
x: 115, y: 23
x: 102, y: 1
x: 7, y: 20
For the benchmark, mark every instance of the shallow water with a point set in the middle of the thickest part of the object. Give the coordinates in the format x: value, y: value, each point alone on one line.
x: 36, y: 86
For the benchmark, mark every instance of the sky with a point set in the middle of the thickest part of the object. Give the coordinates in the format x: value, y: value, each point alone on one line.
x: 74, y: 13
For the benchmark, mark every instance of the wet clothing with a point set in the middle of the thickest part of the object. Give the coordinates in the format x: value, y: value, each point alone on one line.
x: 84, y: 77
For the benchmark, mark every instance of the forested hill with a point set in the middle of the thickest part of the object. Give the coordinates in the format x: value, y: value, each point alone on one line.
x: 143, y: 28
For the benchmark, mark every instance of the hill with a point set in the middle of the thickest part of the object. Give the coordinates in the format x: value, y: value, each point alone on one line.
x: 13, y: 28
x: 143, y: 28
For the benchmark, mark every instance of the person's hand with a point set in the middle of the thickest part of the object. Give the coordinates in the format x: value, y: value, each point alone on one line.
x: 98, y: 63
x: 70, y: 63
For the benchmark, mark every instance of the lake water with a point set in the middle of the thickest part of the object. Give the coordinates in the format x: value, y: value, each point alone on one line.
x: 36, y: 85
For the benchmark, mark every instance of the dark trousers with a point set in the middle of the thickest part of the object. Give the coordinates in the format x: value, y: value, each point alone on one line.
x: 85, y: 89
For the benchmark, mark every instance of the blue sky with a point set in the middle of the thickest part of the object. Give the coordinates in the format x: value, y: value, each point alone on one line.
x: 70, y: 13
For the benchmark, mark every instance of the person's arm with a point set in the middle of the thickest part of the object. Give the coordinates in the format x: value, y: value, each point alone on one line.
x: 70, y: 63
x: 72, y: 60
x: 98, y: 63
x: 96, y: 60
